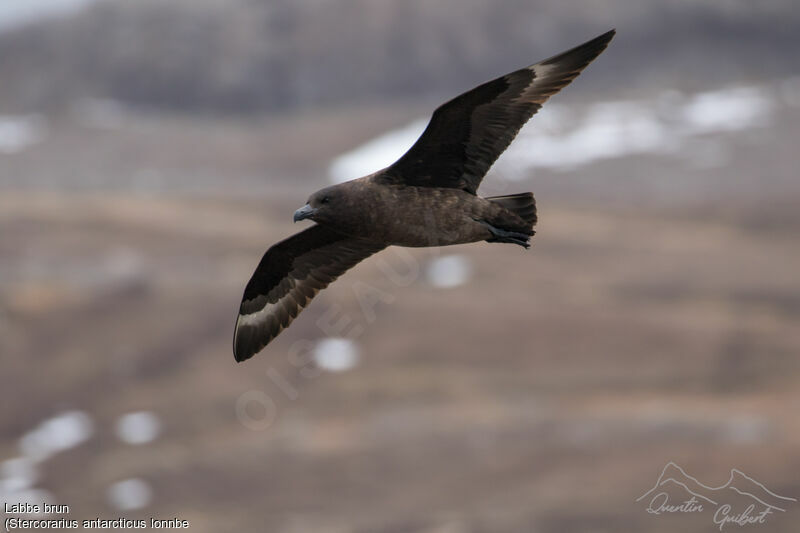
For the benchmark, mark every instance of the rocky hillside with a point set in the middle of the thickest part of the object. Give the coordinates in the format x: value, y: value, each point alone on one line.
x: 246, y: 55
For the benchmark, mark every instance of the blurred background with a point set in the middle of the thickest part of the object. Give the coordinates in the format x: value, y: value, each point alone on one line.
x: 150, y: 152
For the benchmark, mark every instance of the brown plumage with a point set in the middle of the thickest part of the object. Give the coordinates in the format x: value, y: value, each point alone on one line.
x: 426, y: 198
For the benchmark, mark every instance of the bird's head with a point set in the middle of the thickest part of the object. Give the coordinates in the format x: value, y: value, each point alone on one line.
x: 322, y: 206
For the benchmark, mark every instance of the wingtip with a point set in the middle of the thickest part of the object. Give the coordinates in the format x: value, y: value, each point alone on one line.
x: 243, y: 351
x: 585, y: 53
x: 240, y: 351
x: 601, y: 40
x: 246, y: 343
x: 240, y: 355
x: 237, y: 355
x: 607, y: 36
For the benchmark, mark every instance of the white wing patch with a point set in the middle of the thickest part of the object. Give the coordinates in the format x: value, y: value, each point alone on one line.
x: 259, y: 316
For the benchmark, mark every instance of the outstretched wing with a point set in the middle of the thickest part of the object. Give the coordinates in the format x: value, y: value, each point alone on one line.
x: 289, y: 275
x: 467, y: 134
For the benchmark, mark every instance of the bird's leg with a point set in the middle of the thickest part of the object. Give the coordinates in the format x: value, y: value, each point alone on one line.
x: 501, y: 235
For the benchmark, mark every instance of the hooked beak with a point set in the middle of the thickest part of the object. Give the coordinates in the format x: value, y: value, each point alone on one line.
x: 304, y: 212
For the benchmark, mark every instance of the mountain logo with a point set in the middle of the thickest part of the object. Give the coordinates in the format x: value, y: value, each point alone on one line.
x: 740, y: 501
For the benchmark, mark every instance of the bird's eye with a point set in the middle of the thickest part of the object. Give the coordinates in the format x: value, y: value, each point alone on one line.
x: 325, y: 200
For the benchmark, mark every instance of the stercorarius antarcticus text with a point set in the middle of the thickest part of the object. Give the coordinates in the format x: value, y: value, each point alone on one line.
x: 426, y: 198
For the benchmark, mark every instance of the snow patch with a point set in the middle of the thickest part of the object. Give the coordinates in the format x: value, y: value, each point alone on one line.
x: 448, y: 271
x: 138, y: 428
x: 14, y: 13
x: 29, y: 496
x: 336, y: 354
x: 563, y: 139
x: 376, y: 154
x: 56, y: 434
x: 20, y: 132
x: 129, y: 494
x: 18, y: 474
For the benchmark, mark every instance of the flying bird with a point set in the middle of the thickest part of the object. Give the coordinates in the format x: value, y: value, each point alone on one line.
x: 428, y: 197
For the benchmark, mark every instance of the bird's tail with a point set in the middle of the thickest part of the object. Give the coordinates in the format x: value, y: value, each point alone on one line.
x: 523, y: 205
